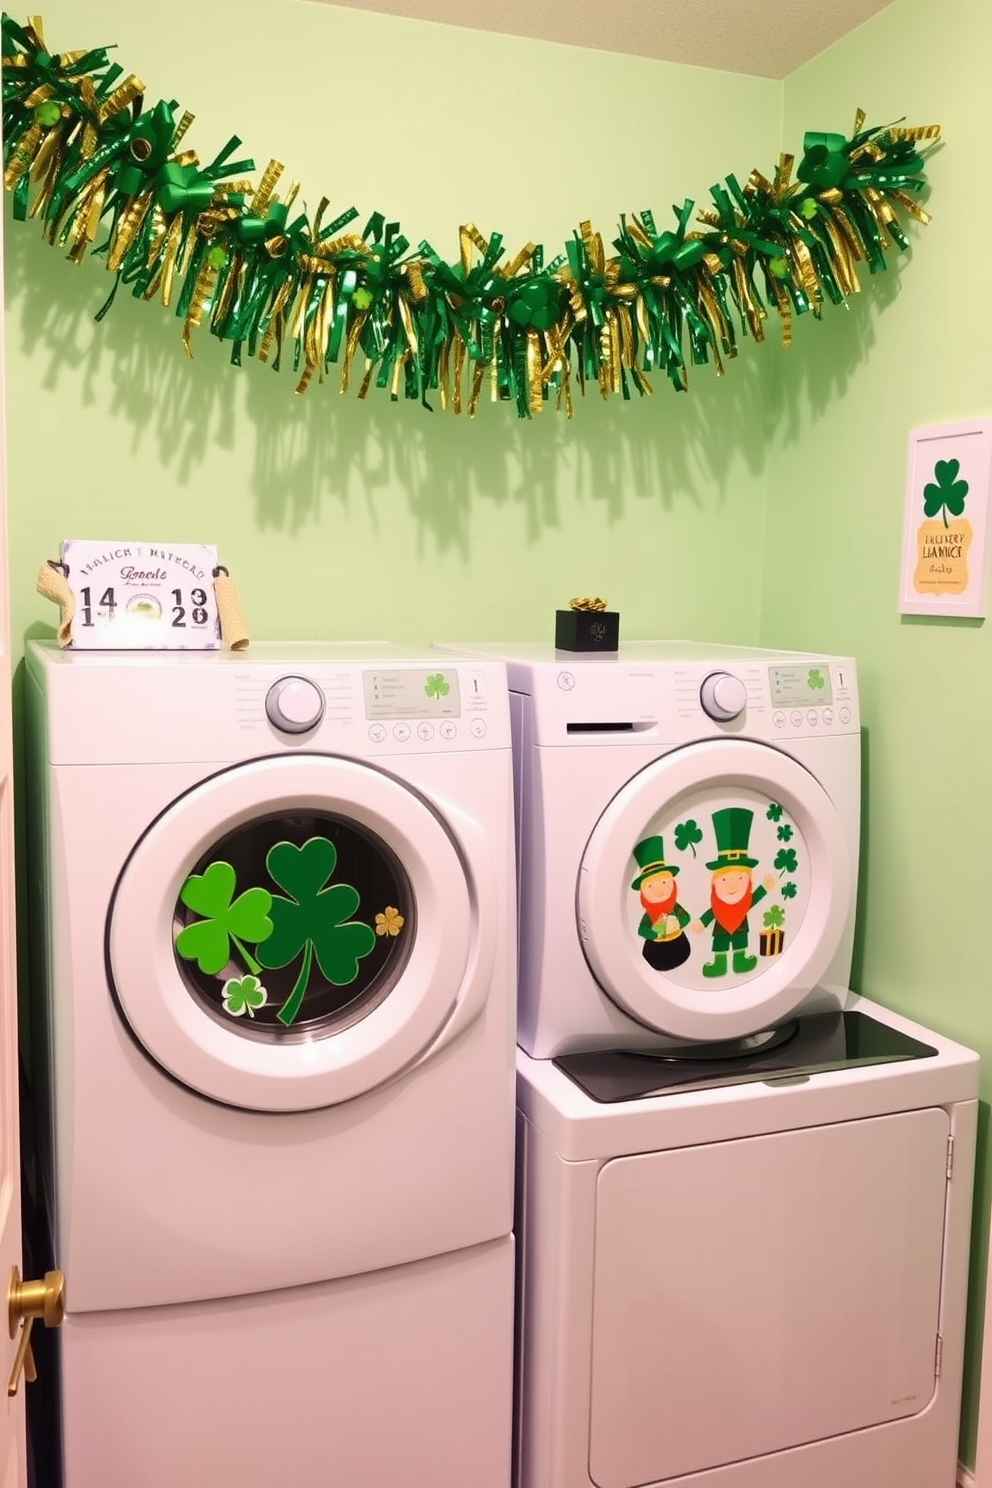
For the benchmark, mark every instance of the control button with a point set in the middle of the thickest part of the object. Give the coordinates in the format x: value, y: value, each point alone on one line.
x: 377, y: 733
x: 845, y: 715
x: 796, y: 718
x: 401, y: 732
x: 294, y: 705
x: 812, y: 718
x: 425, y: 730
x: 448, y: 730
x: 477, y: 728
x: 723, y: 696
x: 566, y: 681
x: 778, y: 719
x: 828, y: 715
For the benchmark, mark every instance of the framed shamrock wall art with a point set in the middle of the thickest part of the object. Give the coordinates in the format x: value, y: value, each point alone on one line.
x: 945, y: 523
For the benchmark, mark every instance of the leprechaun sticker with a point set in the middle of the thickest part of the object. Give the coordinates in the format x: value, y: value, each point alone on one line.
x: 718, y: 886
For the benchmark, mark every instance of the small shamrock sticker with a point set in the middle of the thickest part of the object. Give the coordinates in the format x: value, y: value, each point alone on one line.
x: 390, y: 922
x: 243, y: 995
x: 788, y: 891
x: 815, y: 679
x: 784, y: 833
x: 774, y: 918
x: 226, y: 919
x: 948, y: 494
x: 436, y: 686
x: 786, y: 860
x: 774, y: 812
x: 687, y: 834
x: 362, y: 298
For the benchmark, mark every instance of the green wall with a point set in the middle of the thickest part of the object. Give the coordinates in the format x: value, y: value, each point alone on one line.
x: 345, y: 519
x: 912, y: 352
x: 340, y: 518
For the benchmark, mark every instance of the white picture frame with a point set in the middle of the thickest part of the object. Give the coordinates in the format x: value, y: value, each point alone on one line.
x: 944, y: 543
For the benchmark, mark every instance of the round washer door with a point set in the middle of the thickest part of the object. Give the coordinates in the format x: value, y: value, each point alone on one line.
x: 291, y: 933
x: 714, y: 890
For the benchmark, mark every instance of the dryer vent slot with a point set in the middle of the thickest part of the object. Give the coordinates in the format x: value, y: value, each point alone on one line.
x: 607, y: 728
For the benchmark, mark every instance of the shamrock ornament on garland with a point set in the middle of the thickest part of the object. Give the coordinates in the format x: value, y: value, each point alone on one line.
x: 84, y: 155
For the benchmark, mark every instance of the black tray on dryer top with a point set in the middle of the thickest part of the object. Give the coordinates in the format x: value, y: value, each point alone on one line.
x: 790, y: 1054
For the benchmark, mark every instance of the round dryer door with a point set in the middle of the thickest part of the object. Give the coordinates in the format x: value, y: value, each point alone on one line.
x: 714, y: 890
x: 295, y: 931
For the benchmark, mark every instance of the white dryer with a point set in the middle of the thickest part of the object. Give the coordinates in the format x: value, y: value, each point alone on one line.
x: 743, y: 1194
x: 687, y: 838
x: 751, y: 1277
x: 274, y: 964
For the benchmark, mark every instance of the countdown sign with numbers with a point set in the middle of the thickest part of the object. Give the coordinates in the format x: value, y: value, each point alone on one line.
x: 141, y: 596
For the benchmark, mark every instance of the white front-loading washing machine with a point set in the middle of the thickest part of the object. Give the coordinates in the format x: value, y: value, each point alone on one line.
x: 687, y: 837
x: 743, y: 1193
x: 274, y: 973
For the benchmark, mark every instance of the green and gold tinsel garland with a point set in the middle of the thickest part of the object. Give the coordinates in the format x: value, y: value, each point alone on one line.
x: 85, y: 156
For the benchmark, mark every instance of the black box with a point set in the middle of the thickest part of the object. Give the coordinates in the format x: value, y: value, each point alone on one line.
x: 587, y: 630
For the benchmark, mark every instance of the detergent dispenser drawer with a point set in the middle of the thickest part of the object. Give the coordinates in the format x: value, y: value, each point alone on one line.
x: 756, y: 1294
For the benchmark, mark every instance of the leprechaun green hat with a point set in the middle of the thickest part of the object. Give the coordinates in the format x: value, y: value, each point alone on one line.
x: 650, y: 855
x: 732, y: 826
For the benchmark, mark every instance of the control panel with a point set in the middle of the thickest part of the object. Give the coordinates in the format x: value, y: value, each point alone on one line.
x: 409, y: 708
x: 759, y: 697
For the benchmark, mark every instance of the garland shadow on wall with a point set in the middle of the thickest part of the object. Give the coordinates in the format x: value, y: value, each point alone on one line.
x: 106, y: 176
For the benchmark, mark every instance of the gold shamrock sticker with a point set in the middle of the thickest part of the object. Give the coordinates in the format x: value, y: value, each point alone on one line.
x: 390, y: 922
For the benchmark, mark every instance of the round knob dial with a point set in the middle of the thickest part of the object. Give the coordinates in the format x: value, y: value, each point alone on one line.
x: 723, y: 696
x: 294, y: 705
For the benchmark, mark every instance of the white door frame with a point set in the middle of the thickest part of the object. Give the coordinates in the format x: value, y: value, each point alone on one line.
x: 12, y: 1433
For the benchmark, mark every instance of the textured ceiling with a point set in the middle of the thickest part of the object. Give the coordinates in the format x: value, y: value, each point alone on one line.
x: 769, y: 38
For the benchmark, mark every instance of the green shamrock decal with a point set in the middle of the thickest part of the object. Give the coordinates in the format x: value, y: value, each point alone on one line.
x: 687, y: 834
x: 948, y: 494
x: 243, y: 995
x: 815, y: 679
x: 314, y: 919
x: 786, y: 860
x: 784, y: 833
x: 435, y: 686
x: 226, y: 919
x: 788, y: 891
x: 774, y: 918
x: 774, y: 812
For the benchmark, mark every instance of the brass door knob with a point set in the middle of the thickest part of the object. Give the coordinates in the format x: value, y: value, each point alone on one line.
x: 26, y: 1301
